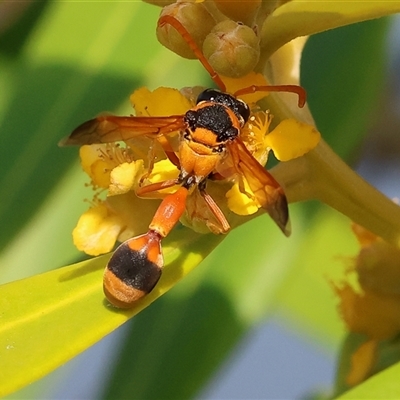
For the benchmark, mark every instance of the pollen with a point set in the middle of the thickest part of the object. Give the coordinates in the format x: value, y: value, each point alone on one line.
x: 254, y: 135
x: 99, y: 160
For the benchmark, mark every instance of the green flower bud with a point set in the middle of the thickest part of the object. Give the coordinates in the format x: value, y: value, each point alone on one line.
x: 161, y: 3
x: 197, y: 21
x: 232, y: 49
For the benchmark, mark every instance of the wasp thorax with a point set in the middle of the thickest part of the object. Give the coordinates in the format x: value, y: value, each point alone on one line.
x: 194, y: 17
x: 239, y: 107
x: 232, y: 49
x: 214, y: 118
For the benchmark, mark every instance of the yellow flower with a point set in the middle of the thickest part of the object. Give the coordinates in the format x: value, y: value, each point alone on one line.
x: 371, y: 305
x: 374, y: 308
x: 116, y: 168
x: 97, y: 230
x: 160, y: 102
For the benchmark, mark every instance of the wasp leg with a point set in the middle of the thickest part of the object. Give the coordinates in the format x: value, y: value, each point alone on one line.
x: 154, y: 187
x: 213, y: 206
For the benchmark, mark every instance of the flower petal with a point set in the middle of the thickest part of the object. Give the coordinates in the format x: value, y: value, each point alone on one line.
x: 163, y: 171
x: 124, y: 177
x: 97, y: 230
x: 252, y: 78
x: 292, y: 139
x: 160, y: 102
x: 369, y: 313
x: 362, y: 361
x: 239, y: 202
x: 96, y: 167
x: 136, y: 213
x: 283, y: 68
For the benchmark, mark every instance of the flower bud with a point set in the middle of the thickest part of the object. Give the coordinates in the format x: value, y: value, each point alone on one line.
x: 232, y: 49
x: 243, y: 10
x: 161, y: 3
x: 197, y: 21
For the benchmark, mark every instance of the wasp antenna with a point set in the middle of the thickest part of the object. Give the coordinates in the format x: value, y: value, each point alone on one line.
x: 169, y: 20
x: 299, y: 90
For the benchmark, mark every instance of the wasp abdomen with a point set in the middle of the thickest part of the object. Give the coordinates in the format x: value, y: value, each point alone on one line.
x: 133, y: 270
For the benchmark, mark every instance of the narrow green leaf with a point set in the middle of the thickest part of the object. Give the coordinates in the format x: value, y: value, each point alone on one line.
x: 387, y: 353
x: 15, y: 36
x: 385, y: 385
x: 49, y: 318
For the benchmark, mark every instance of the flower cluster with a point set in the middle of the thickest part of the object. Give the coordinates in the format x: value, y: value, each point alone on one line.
x: 121, y: 168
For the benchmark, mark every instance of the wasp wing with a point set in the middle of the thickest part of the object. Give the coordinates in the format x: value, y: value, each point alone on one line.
x: 110, y: 128
x: 266, y: 189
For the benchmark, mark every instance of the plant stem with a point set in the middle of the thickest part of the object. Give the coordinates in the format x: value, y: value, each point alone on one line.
x: 322, y: 175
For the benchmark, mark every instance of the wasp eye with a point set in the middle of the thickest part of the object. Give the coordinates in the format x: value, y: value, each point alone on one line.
x: 208, y: 95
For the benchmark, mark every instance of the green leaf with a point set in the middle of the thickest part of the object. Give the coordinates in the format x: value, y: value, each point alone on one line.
x: 385, y: 385
x: 385, y: 354
x: 13, y: 38
x: 49, y: 318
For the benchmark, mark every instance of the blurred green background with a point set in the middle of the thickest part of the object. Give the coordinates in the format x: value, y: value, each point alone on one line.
x: 62, y: 63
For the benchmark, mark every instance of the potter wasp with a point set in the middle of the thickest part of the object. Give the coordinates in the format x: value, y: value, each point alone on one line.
x: 209, y: 137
